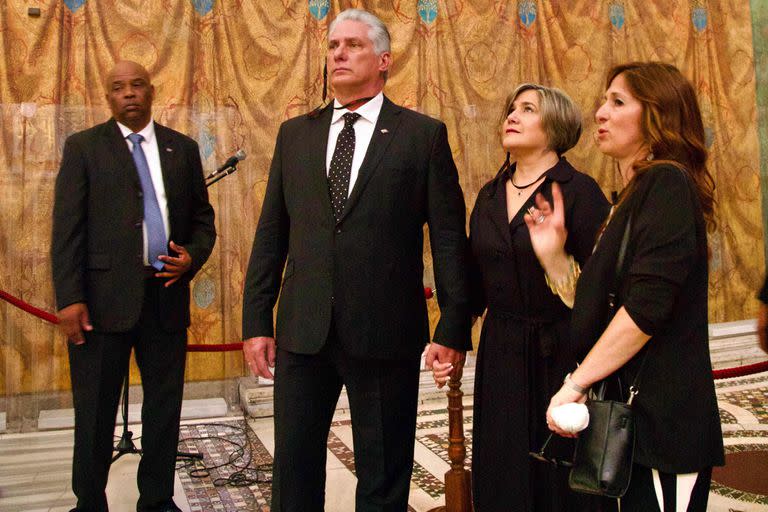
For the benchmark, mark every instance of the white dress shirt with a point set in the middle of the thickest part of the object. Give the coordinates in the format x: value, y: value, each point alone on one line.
x: 369, y: 114
x: 152, y: 153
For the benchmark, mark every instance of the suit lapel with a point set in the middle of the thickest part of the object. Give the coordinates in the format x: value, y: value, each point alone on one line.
x: 119, y: 152
x: 383, y: 134
x: 317, y: 147
x: 167, y: 148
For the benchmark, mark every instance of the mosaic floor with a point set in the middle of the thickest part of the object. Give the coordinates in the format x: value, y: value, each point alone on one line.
x: 744, y: 413
x: 227, y: 451
x: 230, y: 477
x: 35, y: 467
x: 744, y: 416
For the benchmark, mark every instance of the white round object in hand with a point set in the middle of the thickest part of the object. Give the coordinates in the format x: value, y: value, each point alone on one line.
x: 571, y: 417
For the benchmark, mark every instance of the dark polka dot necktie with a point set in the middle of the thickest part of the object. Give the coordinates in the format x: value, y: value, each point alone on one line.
x: 341, y: 164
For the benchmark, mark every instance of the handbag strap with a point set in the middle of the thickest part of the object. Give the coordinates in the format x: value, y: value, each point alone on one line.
x: 619, y: 273
x: 617, y: 277
x: 599, y: 394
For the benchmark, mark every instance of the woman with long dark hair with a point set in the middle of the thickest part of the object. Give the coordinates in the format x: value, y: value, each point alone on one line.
x: 650, y: 124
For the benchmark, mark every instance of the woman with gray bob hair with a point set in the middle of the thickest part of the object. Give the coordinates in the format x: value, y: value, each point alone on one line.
x: 560, y: 117
x: 524, y: 344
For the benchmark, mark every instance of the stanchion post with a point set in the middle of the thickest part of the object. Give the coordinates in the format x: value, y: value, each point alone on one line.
x: 458, y: 480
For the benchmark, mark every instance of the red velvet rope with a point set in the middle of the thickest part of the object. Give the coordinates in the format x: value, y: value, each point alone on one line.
x: 48, y: 317
x: 740, y: 371
x: 725, y: 373
x: 39, y: 313
x: 220, y: 347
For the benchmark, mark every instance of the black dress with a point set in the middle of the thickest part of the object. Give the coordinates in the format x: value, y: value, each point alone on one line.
x: 524, y: 350
x: 664, y: 291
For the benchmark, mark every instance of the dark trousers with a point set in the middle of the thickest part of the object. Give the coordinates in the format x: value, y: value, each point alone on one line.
x: 383, y: 398
x: 97, y: 369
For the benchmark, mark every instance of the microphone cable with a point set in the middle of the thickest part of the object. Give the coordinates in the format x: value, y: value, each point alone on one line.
x: 246, y: 471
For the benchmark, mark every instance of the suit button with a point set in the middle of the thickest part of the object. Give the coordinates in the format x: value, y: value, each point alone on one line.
x: 137, y: 224
x: 332, y: 299
x: 140, y: 193
x: 338, y: 231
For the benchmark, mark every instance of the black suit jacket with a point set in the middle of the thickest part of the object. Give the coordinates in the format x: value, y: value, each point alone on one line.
x: 97, y: 243
x: 366, y: 271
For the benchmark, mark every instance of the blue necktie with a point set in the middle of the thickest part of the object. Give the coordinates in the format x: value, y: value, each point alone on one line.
x: 153, y: 218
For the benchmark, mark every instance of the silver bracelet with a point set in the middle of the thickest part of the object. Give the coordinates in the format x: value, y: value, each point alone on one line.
x: 575, y: 387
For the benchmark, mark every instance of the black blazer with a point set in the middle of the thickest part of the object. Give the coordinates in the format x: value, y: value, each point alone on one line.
x: 97, y: 242
x: 664, y: 290
x: 366, y: 271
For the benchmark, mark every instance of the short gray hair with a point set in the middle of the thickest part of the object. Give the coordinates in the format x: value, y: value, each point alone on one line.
x: 377, y: 30
x: 560, y: 117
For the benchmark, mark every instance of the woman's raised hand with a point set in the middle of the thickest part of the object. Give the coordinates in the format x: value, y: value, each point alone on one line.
x: 546, y: 226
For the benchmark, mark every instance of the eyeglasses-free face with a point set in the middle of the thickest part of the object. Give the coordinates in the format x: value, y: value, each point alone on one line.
x: 523, y: 131
x: 619, y: 130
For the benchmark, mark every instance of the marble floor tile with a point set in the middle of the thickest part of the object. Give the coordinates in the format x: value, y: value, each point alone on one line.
x: 35, y: 467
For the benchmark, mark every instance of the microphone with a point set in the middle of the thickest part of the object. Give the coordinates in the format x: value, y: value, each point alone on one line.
x: 229, y: 164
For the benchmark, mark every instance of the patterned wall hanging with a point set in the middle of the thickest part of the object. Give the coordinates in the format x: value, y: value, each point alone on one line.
x: 74, y: 4
x: 699, y: 17
x: 319, y: 8
x: 526, y: 9
x: 203, y: 7
x: 428, y: 10
x: 616, y: 14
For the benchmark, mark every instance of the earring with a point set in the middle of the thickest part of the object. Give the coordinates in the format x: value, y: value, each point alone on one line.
x: 650, y: 156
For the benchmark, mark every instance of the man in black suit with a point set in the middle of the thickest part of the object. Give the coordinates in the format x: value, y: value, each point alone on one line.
x: 349, y: 191
x: 131, y: 226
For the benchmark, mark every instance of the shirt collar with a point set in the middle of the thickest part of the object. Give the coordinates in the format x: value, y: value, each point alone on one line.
x: 148, y: 132
x: 369, y: 111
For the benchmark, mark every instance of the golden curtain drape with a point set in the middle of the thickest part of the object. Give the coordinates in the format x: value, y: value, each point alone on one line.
x: 229, y: 72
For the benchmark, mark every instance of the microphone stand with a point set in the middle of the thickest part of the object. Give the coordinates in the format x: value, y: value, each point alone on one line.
x: 210, y: 180
x: 126, y: 445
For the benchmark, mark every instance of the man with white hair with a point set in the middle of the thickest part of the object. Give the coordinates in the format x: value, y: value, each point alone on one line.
x: 350, y: 189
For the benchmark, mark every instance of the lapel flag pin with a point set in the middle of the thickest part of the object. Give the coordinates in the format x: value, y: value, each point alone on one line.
x: 384, y: 130
x: 170, y: 150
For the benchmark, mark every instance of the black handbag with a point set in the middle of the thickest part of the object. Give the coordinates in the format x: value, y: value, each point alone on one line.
x: 602, y: 460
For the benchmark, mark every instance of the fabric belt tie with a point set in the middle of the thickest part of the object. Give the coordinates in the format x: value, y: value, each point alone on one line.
x: 539, y: 328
